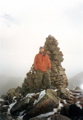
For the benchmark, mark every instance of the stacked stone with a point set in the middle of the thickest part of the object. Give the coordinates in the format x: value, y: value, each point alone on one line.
x: 58, y: 76
x: 29, y: 84
x: 57, y: 73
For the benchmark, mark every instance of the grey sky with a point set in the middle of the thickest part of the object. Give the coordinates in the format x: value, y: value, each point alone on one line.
x: 24, y: 25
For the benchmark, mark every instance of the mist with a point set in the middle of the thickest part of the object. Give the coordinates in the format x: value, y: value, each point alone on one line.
x: 24, y: 25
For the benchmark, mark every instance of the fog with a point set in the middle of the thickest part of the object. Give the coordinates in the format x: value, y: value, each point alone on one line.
x: 24, y: 25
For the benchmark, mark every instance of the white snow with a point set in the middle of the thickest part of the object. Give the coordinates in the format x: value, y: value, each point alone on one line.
x: 78, y: 104
x: 20, y: 118
x: 22, y: 113
x: 41, y: 95
x: 48, y: 114
x: 1, y: 100
x: 56, y: 90
x: 55, y: 110
x: 51, y: 113
x: 67, y: 89
x: 60, y: 105
x: 5, y: 105
x: 65, y: 101
x: 10, y: 106
x: 29, y: 96
x: 48, y: 118
x: 14, y: 97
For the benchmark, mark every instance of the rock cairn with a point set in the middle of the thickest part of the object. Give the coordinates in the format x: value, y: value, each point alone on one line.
x: 57, y: 73
x: 58, y: 76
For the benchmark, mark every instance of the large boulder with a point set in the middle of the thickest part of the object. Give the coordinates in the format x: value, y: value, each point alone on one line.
x: 64, y: 93
x: 12, y: 94
x: 65, y: 110
x: 73, y: 111
x: 24, y: 104
x: 46, y: 102
x: 36, y: 104
x: 53, y: 117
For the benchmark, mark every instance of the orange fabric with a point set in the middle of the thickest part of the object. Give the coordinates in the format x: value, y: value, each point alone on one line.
x: 42, y: 62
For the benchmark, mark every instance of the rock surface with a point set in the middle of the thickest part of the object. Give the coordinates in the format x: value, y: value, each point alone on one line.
x: 57, y: 73
x: 54, y: 117
x: 26, y: 103
x: 37, y: 104
x: 47, y: 101
x: 58, y: 76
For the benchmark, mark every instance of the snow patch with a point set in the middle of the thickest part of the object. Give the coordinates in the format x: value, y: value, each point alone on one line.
x: 29, y: 96
x: 41, y: 95
x: 48, y: 114
x: 21, y: 113
x: 67, y: 89
x: 60, y: 105
x: 20, y: 118
x: 65, y: 101
x: 78, y: 104
x: 14, y: 97
x: 1, y: 100
x: 48, y: 118
x: 56, y: 90
x: 55, y: 110
x: 10, y: 106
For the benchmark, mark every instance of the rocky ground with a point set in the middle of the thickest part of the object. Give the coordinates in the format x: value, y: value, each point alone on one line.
x: 50, y: 104
x: 57, y: 103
